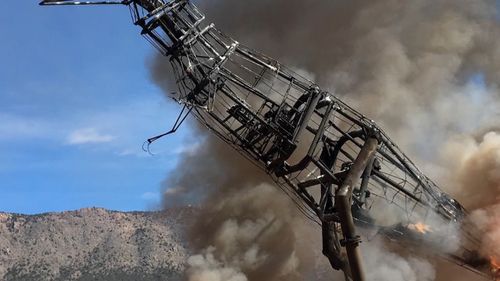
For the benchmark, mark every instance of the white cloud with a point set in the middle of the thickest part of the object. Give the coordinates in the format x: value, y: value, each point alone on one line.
x: 88, y: 135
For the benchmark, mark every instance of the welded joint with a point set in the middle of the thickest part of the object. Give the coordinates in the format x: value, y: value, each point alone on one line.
x: 156, y: 14
x: 198, y: 34
x: 193, y: 29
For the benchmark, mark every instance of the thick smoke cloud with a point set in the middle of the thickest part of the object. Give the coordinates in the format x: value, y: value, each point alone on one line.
x: 383, y: 264
x: 427, y: 71
x: 209, y: 168
x: 245, y: 229
x: 252, y: 232
x: 406, y: 65
x: 477, y: 177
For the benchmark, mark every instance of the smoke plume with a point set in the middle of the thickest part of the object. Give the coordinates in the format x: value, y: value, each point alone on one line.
x: 245, y: 229
x: 477, y: 178
x: 250, y: 231
x: 384, y: 264
x: 407, y: 65
x: 427, y: 71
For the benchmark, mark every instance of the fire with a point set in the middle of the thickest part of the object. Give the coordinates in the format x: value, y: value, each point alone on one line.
x: 420, y: 227
x: 495, y: 267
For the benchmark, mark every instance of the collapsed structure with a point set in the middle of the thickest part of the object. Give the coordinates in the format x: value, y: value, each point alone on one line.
x: 341, y: 168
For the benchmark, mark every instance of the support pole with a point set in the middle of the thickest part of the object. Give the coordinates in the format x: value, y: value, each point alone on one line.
x: 343, y: 204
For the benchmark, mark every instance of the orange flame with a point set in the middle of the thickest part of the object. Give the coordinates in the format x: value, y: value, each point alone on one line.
x: 420, y: 227
x: 495, y: 267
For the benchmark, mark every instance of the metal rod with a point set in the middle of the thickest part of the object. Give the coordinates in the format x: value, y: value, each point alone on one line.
x: 68, y: 3
x: 343, y: 204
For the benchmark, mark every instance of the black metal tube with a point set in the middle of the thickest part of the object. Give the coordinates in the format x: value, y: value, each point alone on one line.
x: 343, y: 205
x: 314, y: 144
x: 67, y: 3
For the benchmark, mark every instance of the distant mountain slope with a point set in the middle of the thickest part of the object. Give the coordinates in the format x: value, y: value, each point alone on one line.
x: 92, y: 244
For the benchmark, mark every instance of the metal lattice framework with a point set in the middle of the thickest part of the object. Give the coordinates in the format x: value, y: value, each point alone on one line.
x: 340, y: 168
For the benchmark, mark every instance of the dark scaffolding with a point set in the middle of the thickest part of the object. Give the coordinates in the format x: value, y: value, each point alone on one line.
x: 338, y: 166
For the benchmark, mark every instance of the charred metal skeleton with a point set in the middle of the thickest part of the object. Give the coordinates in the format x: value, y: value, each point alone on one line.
x: 339, y: 166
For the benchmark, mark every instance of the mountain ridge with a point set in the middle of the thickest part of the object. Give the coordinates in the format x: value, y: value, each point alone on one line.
x: 93, y: 244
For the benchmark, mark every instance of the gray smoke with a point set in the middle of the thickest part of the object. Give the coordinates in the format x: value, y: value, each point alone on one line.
x: 406, y: 65
x: 384, y: 264
x: 245, y: 229
x: 476, y: 176
x: 426, y: 71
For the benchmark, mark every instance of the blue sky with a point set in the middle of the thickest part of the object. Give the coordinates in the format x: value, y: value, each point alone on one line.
x: 76, y: 104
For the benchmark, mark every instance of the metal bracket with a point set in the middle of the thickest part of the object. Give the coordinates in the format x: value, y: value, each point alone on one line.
x: 180, y: 119
x: 354, y: 241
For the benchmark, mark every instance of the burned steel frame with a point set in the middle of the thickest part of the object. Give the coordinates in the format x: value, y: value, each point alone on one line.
x: 309, y: 141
